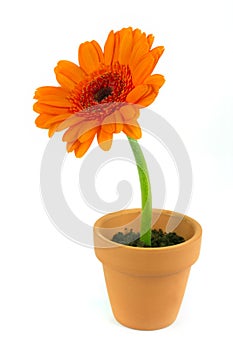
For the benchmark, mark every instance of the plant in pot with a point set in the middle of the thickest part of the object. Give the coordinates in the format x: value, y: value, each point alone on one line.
x: 146, y: 268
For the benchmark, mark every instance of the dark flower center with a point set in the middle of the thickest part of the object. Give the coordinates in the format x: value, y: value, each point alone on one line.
x: 102, y: 93
x: 97, y: 94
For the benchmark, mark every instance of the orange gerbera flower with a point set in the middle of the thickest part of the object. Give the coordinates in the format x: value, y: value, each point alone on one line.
x: 102, y: 95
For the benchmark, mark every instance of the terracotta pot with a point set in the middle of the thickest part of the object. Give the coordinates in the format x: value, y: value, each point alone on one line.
x: 146, y: 285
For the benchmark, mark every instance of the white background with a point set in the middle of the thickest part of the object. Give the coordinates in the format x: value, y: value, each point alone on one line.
x: 52, y: 292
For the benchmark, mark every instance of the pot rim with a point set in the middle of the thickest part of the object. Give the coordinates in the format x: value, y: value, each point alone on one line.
x: 197, y: 234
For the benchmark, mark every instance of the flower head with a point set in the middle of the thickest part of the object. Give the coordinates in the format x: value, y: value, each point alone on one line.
x: 102, y: 95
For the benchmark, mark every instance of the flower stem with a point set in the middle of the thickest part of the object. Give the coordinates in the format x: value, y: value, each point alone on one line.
x: 146, y: 218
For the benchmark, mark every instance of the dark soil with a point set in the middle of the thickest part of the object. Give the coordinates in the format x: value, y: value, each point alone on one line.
x: 158, y: 239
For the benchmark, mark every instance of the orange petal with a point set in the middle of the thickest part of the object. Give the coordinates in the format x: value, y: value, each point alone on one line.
x: 118, y: 121
x: 143, y: 69
x: 113, y: 123
x: 116, y: 47
x: 148, y: 99
x: 45, y: 108
x: 140, y: 49
x: 125, y: 45
x: 71, y: 134
x: 76, y: 131
x: 108, y: 124
x: 53, y: 96
x: 137, y: 93
x: 65, y: 82
x: 142, y: 95
x: 89, y: 134
x: 136, y: 35
x: 133, y: 131
x: 50, y: 91
x: 156, y: 81
x: 70, y: 121
x: 109, y: 48
x: 70, y: 70
x: 157, y: 53
x: 56, y: 101
x: 99, y: 50
x: 150, y: 40
x: 45, y: 120
x: 71, y: 146
x: 83, y: 148
x: 88, y: 57
x: 104, y: 139
x: 109, y: 128
x: 52, y: 129
x: 129, y: 112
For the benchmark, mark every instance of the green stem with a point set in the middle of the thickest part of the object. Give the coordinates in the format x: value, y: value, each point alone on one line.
x: 146, y: 218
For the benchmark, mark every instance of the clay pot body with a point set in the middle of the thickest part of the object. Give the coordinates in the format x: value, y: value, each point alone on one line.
x: 146, y: 285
